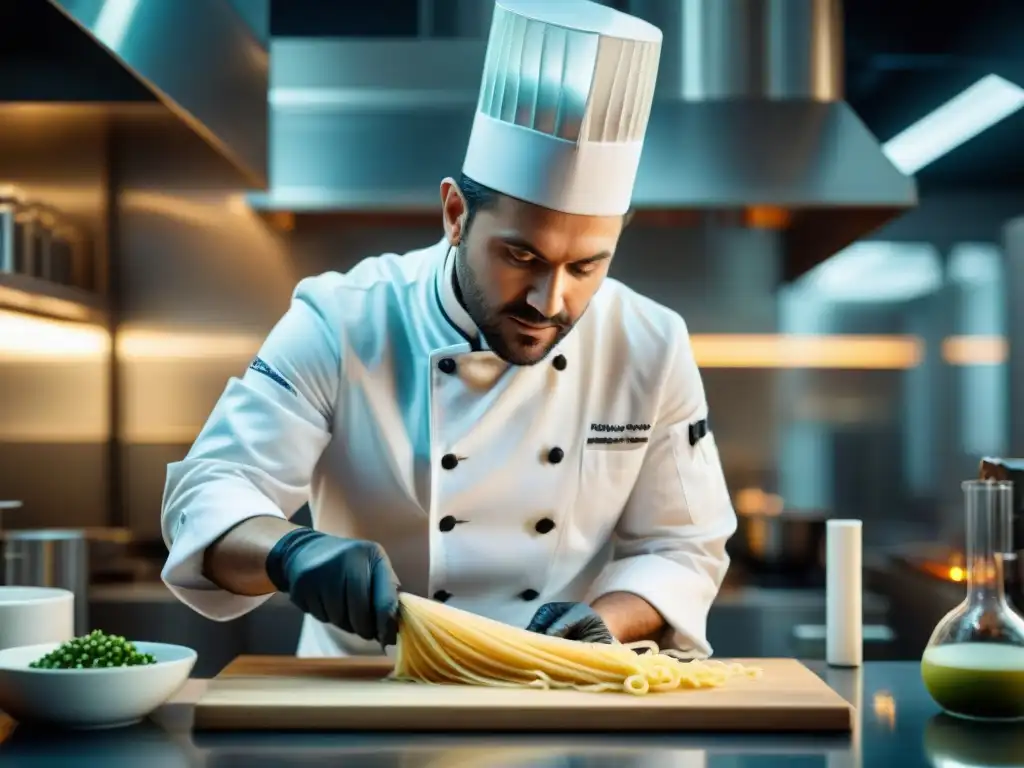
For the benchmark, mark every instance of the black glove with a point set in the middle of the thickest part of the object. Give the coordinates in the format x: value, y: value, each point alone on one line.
x: 573, y: 621
x: 345, y: 582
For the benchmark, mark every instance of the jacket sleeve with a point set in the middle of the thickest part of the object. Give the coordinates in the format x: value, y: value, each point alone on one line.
x: 257, y: 451
x: 671, y: 537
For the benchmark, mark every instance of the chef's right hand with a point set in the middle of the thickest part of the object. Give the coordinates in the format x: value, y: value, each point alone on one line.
x: 345, y: 582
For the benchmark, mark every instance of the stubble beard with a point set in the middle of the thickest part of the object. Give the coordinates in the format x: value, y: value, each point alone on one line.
x: 489, y: 321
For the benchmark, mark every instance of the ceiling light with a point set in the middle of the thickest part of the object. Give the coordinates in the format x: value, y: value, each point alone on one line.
x: 963, y: 117
x: 874, y: 271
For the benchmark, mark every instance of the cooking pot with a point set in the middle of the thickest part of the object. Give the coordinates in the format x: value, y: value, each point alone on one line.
x: 769, y: 536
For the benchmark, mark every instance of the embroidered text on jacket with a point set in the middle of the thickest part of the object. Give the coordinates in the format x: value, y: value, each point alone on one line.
x: 601, y: 439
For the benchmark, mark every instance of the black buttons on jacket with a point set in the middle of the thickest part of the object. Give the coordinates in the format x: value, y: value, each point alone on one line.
x: 446, y: 365
x: 441, y: 596
x: 449, y: 461
x: 544, y: 525
x: 559, y: 362
x: 447, y: 523
x: 529, y: 594
x: 555, y: 455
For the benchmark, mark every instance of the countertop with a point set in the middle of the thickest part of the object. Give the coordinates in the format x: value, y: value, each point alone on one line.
x: 898, y: 725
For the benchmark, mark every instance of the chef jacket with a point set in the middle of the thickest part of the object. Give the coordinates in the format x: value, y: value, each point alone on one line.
x: 492, y: 487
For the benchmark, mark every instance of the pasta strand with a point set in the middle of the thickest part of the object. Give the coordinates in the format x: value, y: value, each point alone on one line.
x: 441, y: 645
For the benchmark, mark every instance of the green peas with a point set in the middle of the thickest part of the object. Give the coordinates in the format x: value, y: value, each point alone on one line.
x: 94, y: 651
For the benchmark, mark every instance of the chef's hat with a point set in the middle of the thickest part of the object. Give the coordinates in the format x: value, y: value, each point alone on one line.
x: 564, y: 103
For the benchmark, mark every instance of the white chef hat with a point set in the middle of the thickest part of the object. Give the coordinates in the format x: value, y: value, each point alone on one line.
x: 564, y: 104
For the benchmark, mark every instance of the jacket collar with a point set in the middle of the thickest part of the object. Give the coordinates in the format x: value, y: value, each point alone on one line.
x: 448, y: 301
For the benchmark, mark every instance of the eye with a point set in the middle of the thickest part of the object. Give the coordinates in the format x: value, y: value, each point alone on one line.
x: 584, y: 268
x: 519, y: 257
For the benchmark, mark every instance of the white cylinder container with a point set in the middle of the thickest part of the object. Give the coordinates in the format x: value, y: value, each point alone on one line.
x: 35, y: 615
x: 844, y: 617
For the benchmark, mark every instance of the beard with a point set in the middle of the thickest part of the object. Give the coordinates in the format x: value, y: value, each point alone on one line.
x: 495, y: 323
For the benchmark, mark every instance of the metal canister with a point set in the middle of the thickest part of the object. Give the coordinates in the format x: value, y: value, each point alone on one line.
x: 42, y: 240
x: 9, y: 202
x: 25, y: 225
x: 62, y: 249
x: 83, y: 266
x: 50, y: 558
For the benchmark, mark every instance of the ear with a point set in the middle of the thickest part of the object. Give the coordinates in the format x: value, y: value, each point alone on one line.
x: 453, y: 210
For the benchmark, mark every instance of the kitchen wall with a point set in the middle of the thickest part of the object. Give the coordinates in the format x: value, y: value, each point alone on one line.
x: 201, y: 282
x: 54, y: 377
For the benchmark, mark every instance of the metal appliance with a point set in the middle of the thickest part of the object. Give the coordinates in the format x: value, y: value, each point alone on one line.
x: 40, y: 241
x: 22, y: 235
x: 63, y: 239
x: 50, y: 558
x: 771, y: 539
x: 1013, y: 561
x: 202, y: 60
x: 749, y: 123
x: 38, y: 232
x: 10, y: 202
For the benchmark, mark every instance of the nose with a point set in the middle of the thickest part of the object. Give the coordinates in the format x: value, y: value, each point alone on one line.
x: 548, y: 293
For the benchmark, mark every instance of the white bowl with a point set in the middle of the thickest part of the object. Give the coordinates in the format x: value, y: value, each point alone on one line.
x: 34, y: 615
x: 107, y: 697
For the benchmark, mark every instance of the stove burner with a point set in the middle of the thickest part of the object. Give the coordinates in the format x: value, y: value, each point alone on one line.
x: 954, y: 570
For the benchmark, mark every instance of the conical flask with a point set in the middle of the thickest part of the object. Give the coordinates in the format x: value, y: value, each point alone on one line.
x: 973, y: 665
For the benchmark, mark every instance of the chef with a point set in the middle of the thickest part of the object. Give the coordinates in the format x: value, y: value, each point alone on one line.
x: 489, y: 421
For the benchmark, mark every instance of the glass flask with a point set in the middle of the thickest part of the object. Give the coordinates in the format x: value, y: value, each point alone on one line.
x: 973, y: 665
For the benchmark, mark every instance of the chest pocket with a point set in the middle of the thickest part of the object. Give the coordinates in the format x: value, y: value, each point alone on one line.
x: 607, y: 476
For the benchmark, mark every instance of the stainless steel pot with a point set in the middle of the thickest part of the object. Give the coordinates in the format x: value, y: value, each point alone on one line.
x: 771, y: 537
x: 62, y: 256
x: 8, y: 233
x: 50, y: 558
x: 42, y: 239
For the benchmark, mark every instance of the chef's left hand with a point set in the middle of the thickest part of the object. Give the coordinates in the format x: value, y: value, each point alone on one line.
x: 573, y: 621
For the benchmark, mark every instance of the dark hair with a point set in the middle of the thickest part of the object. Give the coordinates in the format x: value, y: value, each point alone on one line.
x: 479, y: 198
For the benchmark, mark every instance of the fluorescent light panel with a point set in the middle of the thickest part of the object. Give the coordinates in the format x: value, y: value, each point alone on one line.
x: 874, y: 272
x: 979, y: 107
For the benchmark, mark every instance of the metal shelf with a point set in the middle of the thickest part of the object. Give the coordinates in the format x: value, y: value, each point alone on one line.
x: 22, y: 293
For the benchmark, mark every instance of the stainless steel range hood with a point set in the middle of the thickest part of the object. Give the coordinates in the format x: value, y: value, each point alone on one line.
x: 749, y: 120
x: 752, y: 116
x: 199, y: 58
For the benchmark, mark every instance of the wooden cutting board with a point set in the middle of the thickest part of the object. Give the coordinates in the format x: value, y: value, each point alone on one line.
x: 287, y: 693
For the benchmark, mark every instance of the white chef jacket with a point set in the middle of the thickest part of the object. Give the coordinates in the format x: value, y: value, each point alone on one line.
x: 493, y: 487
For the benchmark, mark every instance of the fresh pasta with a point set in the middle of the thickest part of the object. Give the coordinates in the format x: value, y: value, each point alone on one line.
x: 438, y: 644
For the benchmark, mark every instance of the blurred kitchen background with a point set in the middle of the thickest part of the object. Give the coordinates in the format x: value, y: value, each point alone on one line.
x: 833, y: 197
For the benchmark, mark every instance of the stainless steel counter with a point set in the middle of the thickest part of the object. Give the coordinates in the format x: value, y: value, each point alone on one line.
x: 897, y: 725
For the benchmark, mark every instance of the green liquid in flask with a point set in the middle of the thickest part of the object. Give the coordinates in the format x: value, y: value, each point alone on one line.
x: 982, y: 681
